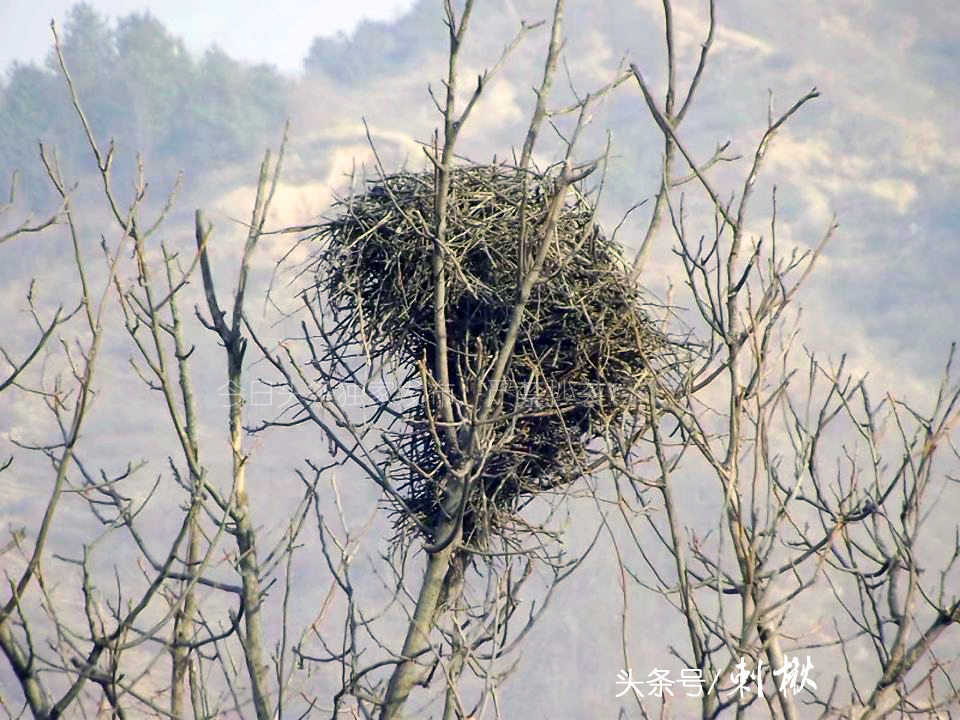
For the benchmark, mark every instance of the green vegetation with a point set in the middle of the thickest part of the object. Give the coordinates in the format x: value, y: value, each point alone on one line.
x: 143, y: 89
x: 378, y: 49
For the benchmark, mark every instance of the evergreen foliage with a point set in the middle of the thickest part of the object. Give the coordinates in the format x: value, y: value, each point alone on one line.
x: 144, y: 90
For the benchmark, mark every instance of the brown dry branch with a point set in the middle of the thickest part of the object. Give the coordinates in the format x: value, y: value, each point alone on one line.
x: 104, y: 660
x: 587, y: 337
x: 475, y: 345
x: 70, y: 409
x: 486, y: 368
x: 764, y: 427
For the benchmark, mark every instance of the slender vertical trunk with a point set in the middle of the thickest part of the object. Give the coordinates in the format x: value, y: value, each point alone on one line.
x: 417, y: 642
x: 184, y: 619
x: 246, y: 545
x: 183, y: 625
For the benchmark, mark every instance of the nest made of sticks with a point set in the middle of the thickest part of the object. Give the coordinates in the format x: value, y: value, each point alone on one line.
x: 585, y: 345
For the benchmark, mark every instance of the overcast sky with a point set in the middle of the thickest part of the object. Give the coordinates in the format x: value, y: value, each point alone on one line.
x: 279, y: 31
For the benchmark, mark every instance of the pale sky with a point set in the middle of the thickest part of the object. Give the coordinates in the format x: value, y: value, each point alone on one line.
x: 278, y: 31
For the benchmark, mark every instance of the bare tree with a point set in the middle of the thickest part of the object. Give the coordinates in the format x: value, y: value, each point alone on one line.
x: 821, y: 488
x: 470, y: 344
x: 102, y: 651
x: 444, y: 420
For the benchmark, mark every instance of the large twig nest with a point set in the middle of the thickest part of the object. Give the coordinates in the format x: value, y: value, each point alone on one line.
x: 585, y: 350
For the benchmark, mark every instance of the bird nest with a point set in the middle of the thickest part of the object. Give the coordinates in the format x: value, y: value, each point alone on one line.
x: 584, y: 353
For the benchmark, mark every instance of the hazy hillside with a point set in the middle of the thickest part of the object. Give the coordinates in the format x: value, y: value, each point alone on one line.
x: 863, y: 150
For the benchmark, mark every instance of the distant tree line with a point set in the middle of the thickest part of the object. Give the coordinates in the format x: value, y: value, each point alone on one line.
x: 378, y: 48
x: 143, y: 89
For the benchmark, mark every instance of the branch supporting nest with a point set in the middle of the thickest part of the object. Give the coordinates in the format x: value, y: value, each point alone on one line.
x: 586, y: 349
